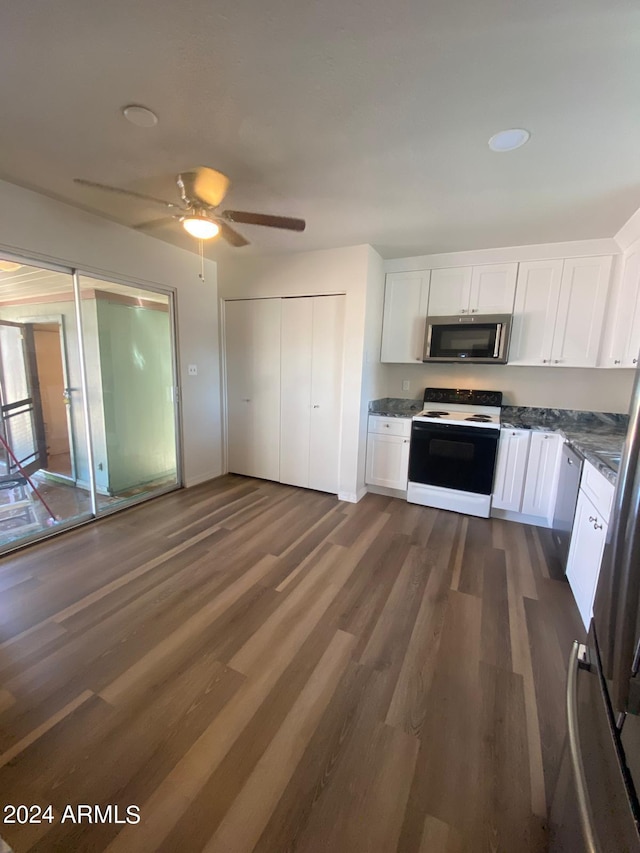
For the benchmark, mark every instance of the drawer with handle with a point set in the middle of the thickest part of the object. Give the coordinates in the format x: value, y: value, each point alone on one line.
x: 390, y: 426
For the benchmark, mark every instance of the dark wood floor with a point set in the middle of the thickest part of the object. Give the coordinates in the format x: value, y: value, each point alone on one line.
x: 259, y: 667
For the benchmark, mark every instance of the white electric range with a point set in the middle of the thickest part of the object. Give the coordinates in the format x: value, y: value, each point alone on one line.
x: 454, y: 443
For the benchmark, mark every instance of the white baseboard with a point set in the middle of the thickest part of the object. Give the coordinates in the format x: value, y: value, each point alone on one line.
x: 352, y: 497
x: 388, y: 493
x: 201, y: 478
x: 510, y: 515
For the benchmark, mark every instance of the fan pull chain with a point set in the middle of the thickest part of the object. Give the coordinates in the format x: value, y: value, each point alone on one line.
x: 201, y: 247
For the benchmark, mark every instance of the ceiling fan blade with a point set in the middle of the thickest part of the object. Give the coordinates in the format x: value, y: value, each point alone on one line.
x: 231, y: 235
x: 151, y: 223
x: 209, y: 185
x: 120, y: 191
x: 267, y: 219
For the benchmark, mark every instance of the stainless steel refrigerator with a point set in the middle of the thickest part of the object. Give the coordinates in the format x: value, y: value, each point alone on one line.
x: 596, y: 804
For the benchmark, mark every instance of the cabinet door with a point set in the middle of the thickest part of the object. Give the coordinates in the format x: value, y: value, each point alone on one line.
x: 295, y: 376
x: 581, y: 310
x: 387, y: 460
x: 541, y: 482
x: 326, y: 392
x: 450, y: 291
x: 493, y: 289
x: 585, y: 555
x: 534, y: 315
x: 252, y: 347
x: 405, y: 311
x: 631, y: 286
x: 511, y: 466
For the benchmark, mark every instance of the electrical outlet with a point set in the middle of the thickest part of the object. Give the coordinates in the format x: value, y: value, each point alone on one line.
x: 193, y: 369
x: 405, y: 384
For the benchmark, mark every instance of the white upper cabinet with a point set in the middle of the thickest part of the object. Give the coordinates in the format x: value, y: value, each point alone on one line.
x: 559, y: 312
x: 406, y: 297
x: 487, y: 289
x: 493, y: 289
x: 450, y: 291
x: 581, y: 311
x: 534, y: 315
x: 624, y: 330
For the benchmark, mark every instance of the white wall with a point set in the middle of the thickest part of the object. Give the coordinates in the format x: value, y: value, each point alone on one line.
x: 597, y: 390
x: 37, y: 227
x: 354, y: 271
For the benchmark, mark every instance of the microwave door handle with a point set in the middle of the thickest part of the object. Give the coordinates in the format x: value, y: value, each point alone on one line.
x: 427, y: 343
x: 496, y: 349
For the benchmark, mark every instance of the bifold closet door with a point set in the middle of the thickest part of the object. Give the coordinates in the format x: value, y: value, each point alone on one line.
x: 311, y: 375
x: 295, y: 376
x: 252, y: 343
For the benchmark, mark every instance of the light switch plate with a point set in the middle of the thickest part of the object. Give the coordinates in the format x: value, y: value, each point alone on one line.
x: 192, y: 369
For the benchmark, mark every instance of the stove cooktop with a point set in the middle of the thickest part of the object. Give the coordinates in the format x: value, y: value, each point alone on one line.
x: 463, y: 408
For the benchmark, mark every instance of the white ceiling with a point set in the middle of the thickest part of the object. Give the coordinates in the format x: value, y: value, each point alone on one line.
x: 368, y: 118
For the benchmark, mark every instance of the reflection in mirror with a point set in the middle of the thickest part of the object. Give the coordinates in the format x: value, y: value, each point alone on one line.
x: 44, y: 464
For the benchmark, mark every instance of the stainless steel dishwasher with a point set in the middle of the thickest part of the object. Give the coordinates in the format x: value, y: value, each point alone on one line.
x: 568, y: 485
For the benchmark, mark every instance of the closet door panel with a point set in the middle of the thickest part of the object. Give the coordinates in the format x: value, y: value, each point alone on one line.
x: 295, y: 406
x: 252, y: 341
x: 326, y: 392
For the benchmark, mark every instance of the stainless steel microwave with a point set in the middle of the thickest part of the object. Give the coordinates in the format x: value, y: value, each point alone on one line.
x: 477, y: 338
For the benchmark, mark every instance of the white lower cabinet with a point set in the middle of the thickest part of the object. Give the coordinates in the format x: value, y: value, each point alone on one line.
x: 388, y: 452
x: 585, y: 555
x: 588, y: 538
x: 526, y: 478
x: 541, y: 483
x: 511, y: 468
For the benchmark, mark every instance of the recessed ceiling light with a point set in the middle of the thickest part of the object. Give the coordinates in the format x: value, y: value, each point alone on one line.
x: 140, y: 116
x: 9, y: 266
x: 508, y: 140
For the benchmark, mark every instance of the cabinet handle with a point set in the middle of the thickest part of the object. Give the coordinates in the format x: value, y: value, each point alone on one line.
x: 386, y: 426
x: 246, y: 400
x: 597, y: 527
x: 405, y: 441
x: 546, y: 437
x: 545, y: 360
x: 593, y: 518
x: 557, y: 360
x: 616, y: 361
x: 463, y: 310
x: 474, y: 310
x: 635, y: 360
x: 316, y: 406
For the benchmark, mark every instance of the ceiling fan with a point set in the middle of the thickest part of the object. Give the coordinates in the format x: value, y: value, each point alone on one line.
x: 201, y: 193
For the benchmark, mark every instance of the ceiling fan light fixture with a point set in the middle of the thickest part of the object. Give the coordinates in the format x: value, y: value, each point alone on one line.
x: 200, y: 226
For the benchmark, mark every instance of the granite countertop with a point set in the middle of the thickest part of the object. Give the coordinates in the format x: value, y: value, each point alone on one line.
x: 595, y: 435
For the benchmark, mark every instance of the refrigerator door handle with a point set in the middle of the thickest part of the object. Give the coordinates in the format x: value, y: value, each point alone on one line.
x: 584, y: 806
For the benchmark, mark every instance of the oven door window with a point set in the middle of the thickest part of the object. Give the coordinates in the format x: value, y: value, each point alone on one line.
x: 464, y: 340
x: 461, y: 458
